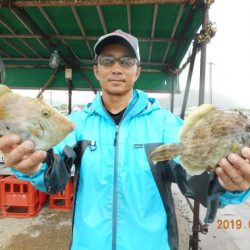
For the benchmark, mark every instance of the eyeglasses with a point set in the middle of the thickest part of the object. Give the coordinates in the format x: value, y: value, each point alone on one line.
x: 125, y: 61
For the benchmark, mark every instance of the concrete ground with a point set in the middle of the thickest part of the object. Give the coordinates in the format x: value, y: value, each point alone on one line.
x: 229, y: 231
x: 51, y: 229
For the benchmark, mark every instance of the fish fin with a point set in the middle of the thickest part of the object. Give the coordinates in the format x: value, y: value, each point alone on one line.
x: 195, y: 116
x: 40, y: 97
x: 192, y: 167
x: 236, y: 148
x: 195, y: 171
x: 166, y: 152
x: 4, y: 90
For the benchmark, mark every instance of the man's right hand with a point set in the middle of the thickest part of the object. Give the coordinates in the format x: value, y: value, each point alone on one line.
x: 21, y: 156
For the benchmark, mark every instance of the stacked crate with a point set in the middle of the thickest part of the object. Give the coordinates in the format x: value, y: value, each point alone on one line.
x: 63, y: 200
x: 19, y: 198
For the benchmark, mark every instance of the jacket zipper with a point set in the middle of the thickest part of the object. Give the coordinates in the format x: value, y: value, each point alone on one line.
x: 114, y: 214
x: 116, y: 134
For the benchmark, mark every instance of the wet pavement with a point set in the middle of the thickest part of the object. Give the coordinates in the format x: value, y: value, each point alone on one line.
x: 229, y: 231
x: 51, y: 229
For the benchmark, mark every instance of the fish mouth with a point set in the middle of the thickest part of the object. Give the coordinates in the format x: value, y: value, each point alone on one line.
x: 41, y: 126
x: 39, y: 132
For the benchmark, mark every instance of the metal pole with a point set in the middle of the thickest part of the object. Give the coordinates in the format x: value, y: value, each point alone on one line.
x: 210, y: 82
x: 172, y: 93
x: 190, y: 73
x: 195, y: 238
x: 70, y: 86
x: 203, y: 62
x: 47, y: 84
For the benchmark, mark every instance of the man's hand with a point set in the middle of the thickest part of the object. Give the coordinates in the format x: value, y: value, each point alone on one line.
x: 21, y: 155
x: 234, y: 172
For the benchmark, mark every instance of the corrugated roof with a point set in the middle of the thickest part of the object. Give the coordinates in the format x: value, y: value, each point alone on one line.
x: 31, y: 30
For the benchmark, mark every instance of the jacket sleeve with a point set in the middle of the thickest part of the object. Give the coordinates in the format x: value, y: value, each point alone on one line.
x: 37, y: 179
x: 236, y: 197
x: 54, y: 172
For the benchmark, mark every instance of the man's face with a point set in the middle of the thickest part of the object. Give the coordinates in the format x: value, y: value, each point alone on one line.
x: 116, y: 79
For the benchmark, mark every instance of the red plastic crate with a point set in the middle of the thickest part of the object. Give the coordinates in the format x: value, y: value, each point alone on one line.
x: 42, y: 198
x: 1, y: 177
x: 63, y: 200
x: 19, y: 198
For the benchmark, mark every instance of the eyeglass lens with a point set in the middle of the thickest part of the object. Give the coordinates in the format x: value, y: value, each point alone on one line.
x: 123, y: 61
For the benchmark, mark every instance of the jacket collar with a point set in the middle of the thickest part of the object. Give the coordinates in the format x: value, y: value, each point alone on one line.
x: 139, y: 104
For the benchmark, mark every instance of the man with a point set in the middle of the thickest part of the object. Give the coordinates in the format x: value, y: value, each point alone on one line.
x: 122, y: 200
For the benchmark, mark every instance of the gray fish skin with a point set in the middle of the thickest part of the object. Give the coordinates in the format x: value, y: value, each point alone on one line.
x: 209, y: 135
x: 32, y: 119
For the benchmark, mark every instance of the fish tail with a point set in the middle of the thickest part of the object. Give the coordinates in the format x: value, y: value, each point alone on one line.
x: 166, y: 152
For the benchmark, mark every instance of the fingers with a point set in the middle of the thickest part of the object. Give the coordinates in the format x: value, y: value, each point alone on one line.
x: 241, y: 164
x: 15, y: 155
x: 7, y: 142
x: 21, y: 156
x: 246, y: 153
x: 230, y: 176
x: 31, y: 163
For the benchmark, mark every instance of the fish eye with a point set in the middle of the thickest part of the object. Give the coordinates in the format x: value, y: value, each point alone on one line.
x: 45, y: 113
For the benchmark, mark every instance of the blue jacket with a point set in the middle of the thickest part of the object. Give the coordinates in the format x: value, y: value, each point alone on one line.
x: 122, y: 200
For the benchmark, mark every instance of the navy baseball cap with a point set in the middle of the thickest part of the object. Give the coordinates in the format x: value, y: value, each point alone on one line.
x: 118, y: 36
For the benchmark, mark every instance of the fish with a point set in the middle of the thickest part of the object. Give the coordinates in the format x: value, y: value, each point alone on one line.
x: 207, y: 135
x: 32, y: 119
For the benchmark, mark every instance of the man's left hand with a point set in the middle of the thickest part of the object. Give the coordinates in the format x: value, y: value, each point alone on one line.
x: 234, y: 172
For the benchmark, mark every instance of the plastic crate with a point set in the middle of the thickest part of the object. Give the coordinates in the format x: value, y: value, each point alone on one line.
x: 19, y: 198
x: 62, y: 200
x: 1, y: 177
x: 42, y: 198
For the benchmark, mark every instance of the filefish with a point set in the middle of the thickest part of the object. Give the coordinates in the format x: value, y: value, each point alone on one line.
x: 208, y: 135
x: 32, y: 119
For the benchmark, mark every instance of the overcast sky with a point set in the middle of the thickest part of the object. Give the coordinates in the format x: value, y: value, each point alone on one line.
x: 229, y: 51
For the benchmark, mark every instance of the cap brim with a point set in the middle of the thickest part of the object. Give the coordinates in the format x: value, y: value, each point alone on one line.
x: 114, y: 39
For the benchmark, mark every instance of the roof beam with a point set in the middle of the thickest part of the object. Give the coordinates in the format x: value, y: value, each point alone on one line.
x: 11, y: 30
x: 4, y: 54
x: 152, y: 31
x: 14, y: 48
x: 48, y: 19
x: 181, y: 38
x: 33, y: 28
x: 78, y: 37
x: 29, y: 23
x: 129, y: 18
x: 104, y: 26
x: 48, y: 3
x: 79, y: 23
x: 23, y: 18
x: 53, y: 26
x: 177, y: 20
